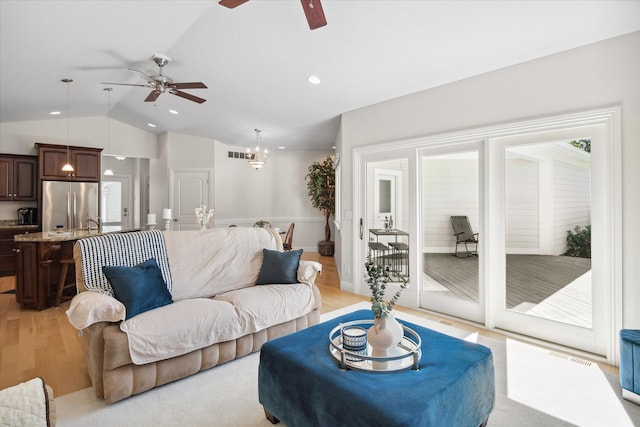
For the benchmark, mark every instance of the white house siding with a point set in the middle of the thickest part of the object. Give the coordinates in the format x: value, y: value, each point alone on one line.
x: 450, y: 187
x: 572, y: 201
x: 522, y: 206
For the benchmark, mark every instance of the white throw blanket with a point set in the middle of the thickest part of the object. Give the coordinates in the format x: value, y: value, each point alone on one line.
x: 25, y: 404
x: 205, y: 263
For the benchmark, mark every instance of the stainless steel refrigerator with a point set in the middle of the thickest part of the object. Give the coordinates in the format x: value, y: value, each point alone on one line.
x: 69, y: 204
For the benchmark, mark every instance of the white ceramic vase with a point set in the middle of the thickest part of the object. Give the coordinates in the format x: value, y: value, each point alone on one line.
x: 385, y: 333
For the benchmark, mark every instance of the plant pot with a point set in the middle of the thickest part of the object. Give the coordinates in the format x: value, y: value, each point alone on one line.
x: 326, y: 248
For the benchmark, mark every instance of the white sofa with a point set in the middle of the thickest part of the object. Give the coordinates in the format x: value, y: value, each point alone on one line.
x: 218, y: 312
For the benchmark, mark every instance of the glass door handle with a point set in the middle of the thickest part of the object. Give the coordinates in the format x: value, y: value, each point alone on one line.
x: 361, y: 229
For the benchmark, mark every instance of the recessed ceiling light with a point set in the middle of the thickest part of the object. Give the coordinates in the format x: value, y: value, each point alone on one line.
x: 173, y: 111
x: 314, y: 80
x: 55, y: 113
x: 281, y: 147
x: 151, y: 125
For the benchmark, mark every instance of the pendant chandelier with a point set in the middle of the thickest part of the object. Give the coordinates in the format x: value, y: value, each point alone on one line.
x: 108, y: 171
x: 257, y: 158
x: 67, y: 166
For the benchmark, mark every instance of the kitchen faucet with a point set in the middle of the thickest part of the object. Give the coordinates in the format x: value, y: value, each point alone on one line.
x: 96, y: 221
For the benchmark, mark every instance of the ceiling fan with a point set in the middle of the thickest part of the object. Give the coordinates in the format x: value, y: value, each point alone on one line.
x: 312, y: 10
x: 160, y: 84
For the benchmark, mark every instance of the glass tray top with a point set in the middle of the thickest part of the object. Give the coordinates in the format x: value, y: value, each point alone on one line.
x: 404, y: 355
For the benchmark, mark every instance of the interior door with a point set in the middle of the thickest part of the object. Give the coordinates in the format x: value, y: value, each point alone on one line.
x: 190, y: 188
x: 115, y: 207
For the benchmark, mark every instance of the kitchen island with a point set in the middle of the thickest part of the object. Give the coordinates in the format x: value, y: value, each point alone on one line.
x: 40, y: 267
x: 8, y: 258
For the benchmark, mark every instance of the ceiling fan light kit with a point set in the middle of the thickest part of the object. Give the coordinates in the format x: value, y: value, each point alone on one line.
x: 160, y: 83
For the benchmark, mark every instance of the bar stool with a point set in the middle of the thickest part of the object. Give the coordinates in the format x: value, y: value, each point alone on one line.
x: 379, y: 252
x: 400, y: 254
x: 63, y: 278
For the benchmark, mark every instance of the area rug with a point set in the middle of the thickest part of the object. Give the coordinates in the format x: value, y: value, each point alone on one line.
x: 534, y: 387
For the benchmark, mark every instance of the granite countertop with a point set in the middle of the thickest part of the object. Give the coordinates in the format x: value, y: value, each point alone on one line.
x: 13, y: 223
x: 64, y: 236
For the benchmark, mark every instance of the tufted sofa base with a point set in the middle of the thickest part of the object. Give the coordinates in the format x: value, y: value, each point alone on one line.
x: 115, y: 377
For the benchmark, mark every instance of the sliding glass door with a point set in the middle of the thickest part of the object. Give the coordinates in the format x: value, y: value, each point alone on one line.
x: 451, y: 232
x: 515, y: 227
x: 550, y: 215
x: 385, y: 235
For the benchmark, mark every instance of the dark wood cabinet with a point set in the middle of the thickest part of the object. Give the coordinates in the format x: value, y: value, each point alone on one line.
x: 39, y: 272
x: 8, y: 250
x: 18, y: 177
x: 85, y: 162
x: 26, y: 290
x: 8, y: 259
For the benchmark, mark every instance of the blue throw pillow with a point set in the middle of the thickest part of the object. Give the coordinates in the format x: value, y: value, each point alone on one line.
x: 279, y: 267
x: 140, y: 288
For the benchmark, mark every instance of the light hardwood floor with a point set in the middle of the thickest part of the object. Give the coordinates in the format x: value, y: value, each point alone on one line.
x: 43, y: 343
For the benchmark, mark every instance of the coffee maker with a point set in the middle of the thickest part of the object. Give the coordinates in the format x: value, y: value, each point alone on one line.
x: 27, y: 216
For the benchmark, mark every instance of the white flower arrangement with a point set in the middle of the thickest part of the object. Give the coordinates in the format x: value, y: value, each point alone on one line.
x: 203, y: 215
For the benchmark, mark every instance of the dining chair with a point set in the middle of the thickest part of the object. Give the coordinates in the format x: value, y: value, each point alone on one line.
x: 287, y: 242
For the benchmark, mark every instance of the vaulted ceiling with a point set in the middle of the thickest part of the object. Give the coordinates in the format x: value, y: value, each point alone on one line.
x: 256, y: 59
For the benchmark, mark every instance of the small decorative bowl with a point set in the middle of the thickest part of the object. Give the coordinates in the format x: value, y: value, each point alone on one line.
x: 354, y: 339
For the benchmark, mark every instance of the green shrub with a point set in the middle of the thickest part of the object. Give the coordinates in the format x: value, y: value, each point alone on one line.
x: 579, y: 242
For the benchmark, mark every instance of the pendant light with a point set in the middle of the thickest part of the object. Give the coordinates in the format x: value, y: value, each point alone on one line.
x: 257, y: 158
x: 108, y: 171
x: 67, y: 166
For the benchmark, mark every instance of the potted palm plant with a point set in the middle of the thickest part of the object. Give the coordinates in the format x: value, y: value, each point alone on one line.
x: 321, y: 183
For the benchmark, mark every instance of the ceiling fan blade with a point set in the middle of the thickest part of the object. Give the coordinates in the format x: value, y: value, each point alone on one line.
x: 190, y: 85
x: 231, y: 3
x: 153, y: 96
x: 144, y: 75
x: 187, y: 96
x: 314, y: 13
x: 123, y: 84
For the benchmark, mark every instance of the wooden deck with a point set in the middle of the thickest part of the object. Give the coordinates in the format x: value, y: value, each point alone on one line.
x: 536, y: 284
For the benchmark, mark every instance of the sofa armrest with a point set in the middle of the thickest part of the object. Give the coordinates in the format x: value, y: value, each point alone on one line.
x: 28, y: 403
x: 308, y: 270
x: 92, y: 307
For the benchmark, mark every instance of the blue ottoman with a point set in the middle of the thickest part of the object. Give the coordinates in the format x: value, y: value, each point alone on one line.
x: 630, y: 364
x: 300, y: 383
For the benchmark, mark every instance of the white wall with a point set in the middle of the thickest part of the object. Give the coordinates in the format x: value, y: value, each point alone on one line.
x: 20, y: 137
x: 597, y: 75
x: 276, y: 193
